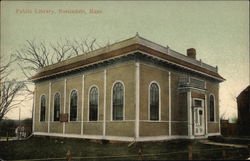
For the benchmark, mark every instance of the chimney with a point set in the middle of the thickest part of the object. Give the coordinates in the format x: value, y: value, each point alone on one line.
x: 191, y: 53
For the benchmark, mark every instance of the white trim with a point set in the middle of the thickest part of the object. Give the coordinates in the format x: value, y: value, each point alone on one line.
x: 124, y: 96
x: 90, y: 121
x: 104, y: 102
x: 219, y: 106
x: 215, y: 111
x: 169, y: 104
x: 206, y: 119
x: 152, y: 121
x: 53, y: 106
x: 76, y: 104
x: 159, y: 100
x: 72, y: 122
x: 117, y: 138
x: 137, y: 99
x: 82, y: 112
x: 64, y: 101
x: 189, y: 112
x: 40, y: 101
x: 203, y: 117
x: 219, y: 123
x: 34, y: 110
x: 198, y: 99
x: 49, y: 107
x: 92, y: 86
x: 99, y: 137
x: 69, y: 135
x: 203, y: 90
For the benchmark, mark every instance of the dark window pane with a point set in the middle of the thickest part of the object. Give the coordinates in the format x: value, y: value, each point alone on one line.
x: 93, y: 104
x: 73, y: 105
x: 43, y: 108
x: 212, y: 108
x: 118, y: 101
x: 154, y: 102
x: 57, y: 107
x: 197, y: 103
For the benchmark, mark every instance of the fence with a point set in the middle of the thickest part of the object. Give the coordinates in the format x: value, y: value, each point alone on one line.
x: 229, y: 129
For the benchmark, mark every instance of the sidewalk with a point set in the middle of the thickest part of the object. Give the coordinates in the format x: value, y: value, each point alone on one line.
x: 237, y: 138
x: 5, y: 139
x: 10, y: 138
x: 222, y: 144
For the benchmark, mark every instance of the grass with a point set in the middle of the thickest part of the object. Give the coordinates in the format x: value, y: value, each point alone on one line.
x: 35, y: 148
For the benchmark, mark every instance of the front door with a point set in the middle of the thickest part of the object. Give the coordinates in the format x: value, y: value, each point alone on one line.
x: 199, y: 122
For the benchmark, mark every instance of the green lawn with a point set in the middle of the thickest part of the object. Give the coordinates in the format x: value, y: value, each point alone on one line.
x: 36, y: 148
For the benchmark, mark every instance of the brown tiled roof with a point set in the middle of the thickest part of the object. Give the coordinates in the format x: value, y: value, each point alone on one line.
x: 123, y: 51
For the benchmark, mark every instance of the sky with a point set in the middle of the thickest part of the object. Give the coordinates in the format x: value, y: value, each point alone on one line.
x: 218, y: 30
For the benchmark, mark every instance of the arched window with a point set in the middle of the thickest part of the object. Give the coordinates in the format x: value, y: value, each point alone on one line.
x: 42, y: 108
x: 211, y: 108
x: 73, y: 105
x: 154, y: 102
x: 118, y: 101
x: 57, y: 105
x: 93, y: 104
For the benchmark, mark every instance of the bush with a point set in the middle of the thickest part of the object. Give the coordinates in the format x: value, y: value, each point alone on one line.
x: 7, y: 126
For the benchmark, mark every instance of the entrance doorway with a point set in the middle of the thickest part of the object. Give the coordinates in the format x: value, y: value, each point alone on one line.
x: 199, y: 121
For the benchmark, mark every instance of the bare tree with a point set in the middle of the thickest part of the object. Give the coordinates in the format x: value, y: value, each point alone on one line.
x: 34, y: 55
x: 30, y: 57
x: 9, y: 90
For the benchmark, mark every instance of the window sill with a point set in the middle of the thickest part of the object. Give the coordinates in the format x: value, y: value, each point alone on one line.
x: 97, y: 121
x: 152, y: 120
x: 73, y: 121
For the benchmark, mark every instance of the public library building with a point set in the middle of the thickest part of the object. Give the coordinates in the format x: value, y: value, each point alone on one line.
x: 133, y: 90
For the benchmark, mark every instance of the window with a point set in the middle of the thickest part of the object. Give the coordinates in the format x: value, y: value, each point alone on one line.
x: 211, y: 108
x: 118, y: 101
x: 73, y: 105
x: 154, y: 102
x: 93, y: 104
x: 42, y: 108
x: 197, y: 103
x: 57, y: 107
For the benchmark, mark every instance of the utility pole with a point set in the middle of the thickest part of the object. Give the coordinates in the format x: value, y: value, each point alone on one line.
x: 19, y: 127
